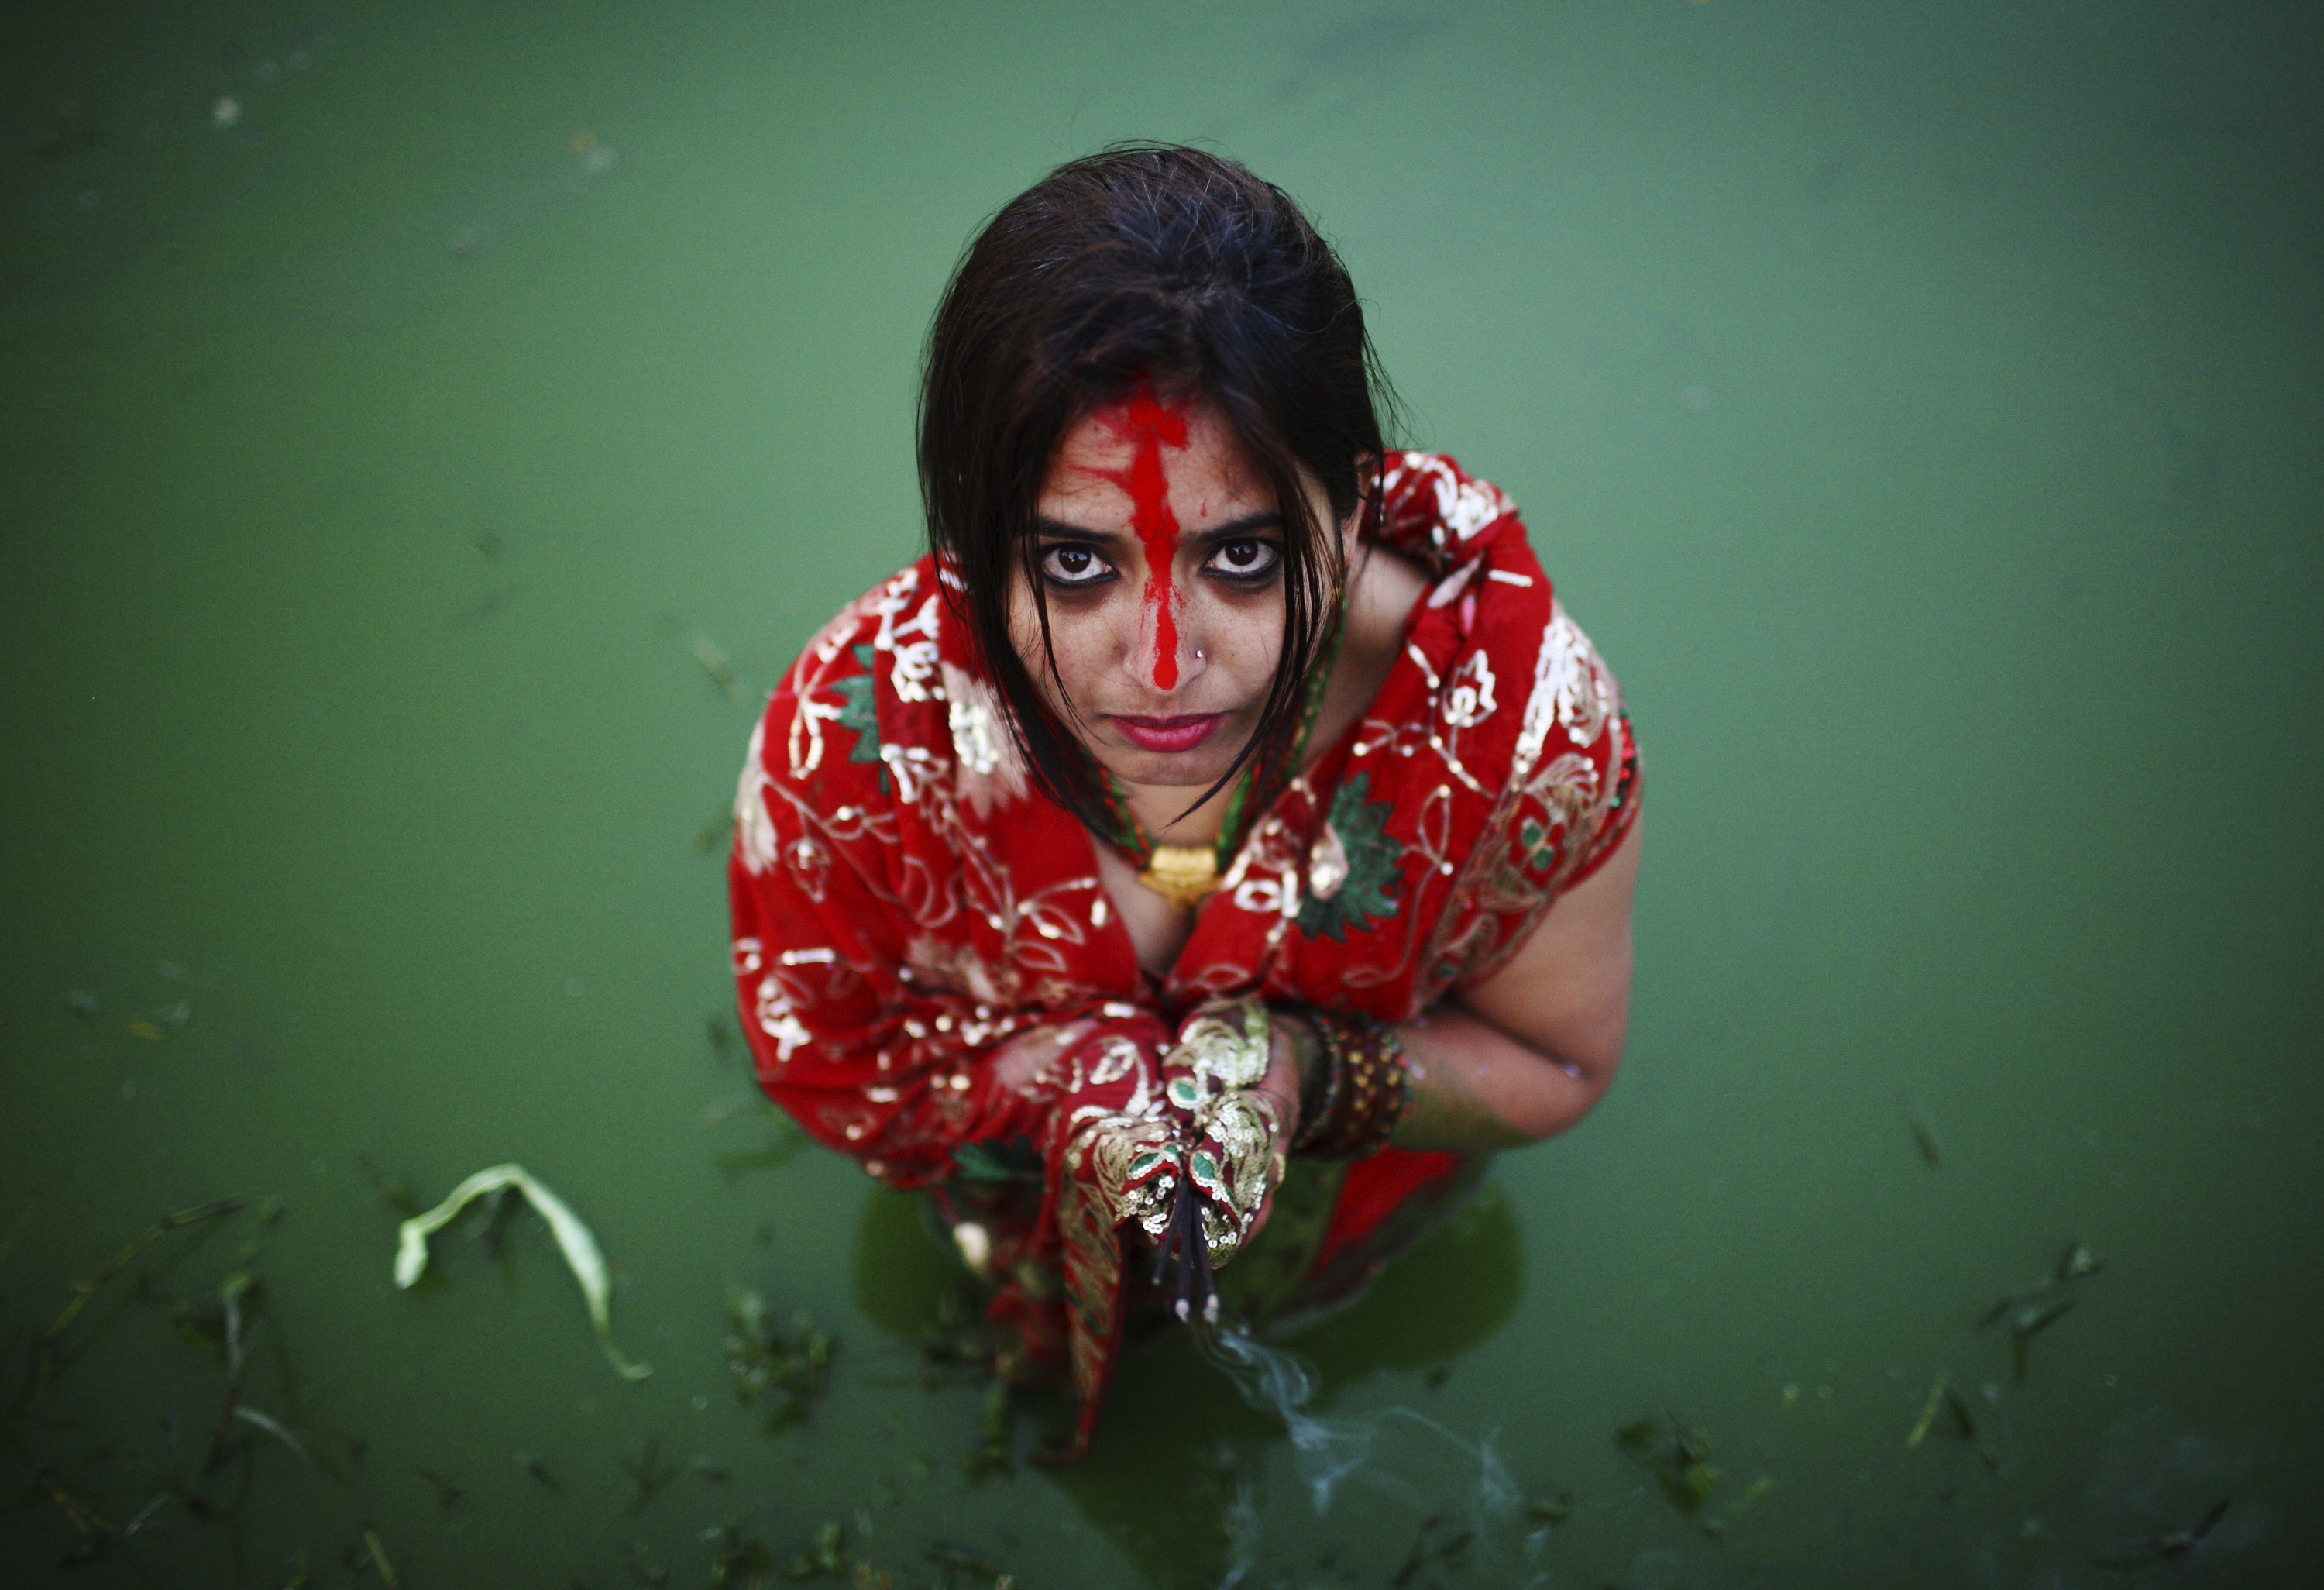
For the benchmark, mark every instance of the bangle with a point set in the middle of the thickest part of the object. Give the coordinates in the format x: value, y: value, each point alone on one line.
x: 1319, y: 1074
x: 1364, y: 1092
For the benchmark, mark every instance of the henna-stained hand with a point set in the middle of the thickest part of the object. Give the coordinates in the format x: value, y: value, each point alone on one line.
x: 1200, y: 1193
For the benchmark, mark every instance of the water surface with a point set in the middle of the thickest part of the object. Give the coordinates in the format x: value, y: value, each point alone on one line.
x: 1919, y: 408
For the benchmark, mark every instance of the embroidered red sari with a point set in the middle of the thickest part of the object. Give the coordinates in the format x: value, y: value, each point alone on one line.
x: 904, y: 901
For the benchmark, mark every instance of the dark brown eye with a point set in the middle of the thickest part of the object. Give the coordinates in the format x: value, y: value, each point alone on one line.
x: 1245, y: 560
x: 1074, y: 566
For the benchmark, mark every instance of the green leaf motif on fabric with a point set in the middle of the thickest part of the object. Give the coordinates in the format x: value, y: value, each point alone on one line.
x: 1366, y: 896
x: 1203, y: 1170
x: 857, y: 712
x: 1537, y: 852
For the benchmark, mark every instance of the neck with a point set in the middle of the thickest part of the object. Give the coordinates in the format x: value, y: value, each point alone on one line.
x: 1157, y: 808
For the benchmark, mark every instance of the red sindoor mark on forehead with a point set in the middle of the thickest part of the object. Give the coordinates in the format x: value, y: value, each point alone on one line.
x: 1149, y: 425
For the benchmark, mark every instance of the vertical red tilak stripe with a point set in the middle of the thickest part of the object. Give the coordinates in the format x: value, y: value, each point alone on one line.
x: 1149, y: 426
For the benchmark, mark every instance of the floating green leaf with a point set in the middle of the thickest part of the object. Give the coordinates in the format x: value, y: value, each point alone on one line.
x: 575, y: 1239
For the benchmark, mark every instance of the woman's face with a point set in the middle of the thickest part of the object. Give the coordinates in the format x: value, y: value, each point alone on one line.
x: 1162, y: 555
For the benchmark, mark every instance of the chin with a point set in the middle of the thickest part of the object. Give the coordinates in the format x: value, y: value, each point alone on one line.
x: 1197, y: 769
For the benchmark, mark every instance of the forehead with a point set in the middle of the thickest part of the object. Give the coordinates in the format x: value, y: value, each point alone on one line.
x: 1098, y: 448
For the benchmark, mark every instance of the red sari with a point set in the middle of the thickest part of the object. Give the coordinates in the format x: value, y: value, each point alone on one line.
x: 904, y: 901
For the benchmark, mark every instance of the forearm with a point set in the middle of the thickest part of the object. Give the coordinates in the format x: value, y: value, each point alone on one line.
x: 1474, y: 1086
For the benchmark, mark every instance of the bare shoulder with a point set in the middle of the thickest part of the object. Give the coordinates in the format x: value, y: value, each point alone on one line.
x: 1383, y: 587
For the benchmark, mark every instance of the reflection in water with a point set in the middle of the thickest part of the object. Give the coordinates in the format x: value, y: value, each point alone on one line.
x: 1179, y: 1476
x: 1173, y: 1414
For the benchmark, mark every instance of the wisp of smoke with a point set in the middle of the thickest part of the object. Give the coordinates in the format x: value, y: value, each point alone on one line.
x: 1327, y: 1451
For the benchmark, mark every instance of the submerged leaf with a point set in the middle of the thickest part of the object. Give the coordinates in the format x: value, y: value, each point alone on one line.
x: 1689, y: 1486
x: 253, y: 1417
x: 2032, y: 1321
x: 648, y: 1476
x: 1928, y: 1414
x: 2079, y: 1261
x: 1638, y: 1436
x: 738, y: 1558
x: 1677, y: 1455
x: 1751, y: 1492
x: 1550, y: 1510
x: 1925, y: 1134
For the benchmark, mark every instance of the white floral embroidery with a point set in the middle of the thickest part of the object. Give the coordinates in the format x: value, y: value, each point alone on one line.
x: 1469, y: 693
x: 779, y: 1021
x: 1471, y: 505
x: 1570, y: 690
x: 754, y: 828
x: 916, y: 661
x: 915, y: 768
x: 1262, y: 897
x: 1463, y: 507
x: 916, y: 664
x: 990, y: 770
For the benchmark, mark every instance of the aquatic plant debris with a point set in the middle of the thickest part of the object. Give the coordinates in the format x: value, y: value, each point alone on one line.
x: 1679, y: 1458
x: 2074, y: 1264
x: 794, y: 1366
x: 275, y: 1427
x: 649, y: 1475
x: 739, y: 1559
x: 1928, y: 1414
x: 2147, y: 1550
x: 574, y: 1239
x: 721, y: 670
x: 379, y: 1557
x: 47, y: 1349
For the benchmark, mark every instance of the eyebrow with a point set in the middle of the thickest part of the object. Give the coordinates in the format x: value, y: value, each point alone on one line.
x: 1265, y: 519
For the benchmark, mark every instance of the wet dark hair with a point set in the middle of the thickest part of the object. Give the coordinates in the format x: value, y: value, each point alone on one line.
x: 1145, y: 263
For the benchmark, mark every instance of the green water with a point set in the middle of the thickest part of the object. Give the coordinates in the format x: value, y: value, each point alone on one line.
x: 1919, y: 406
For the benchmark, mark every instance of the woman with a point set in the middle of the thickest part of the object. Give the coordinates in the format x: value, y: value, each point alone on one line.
x: 1169, y: 854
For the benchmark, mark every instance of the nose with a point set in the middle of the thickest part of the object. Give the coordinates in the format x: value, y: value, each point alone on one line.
x: 1163, y: 654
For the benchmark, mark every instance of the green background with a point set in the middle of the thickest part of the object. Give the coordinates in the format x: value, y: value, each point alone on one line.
x: 1919, y: 405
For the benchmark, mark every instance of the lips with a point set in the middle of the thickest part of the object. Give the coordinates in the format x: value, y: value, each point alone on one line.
x: 1169, y: 734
